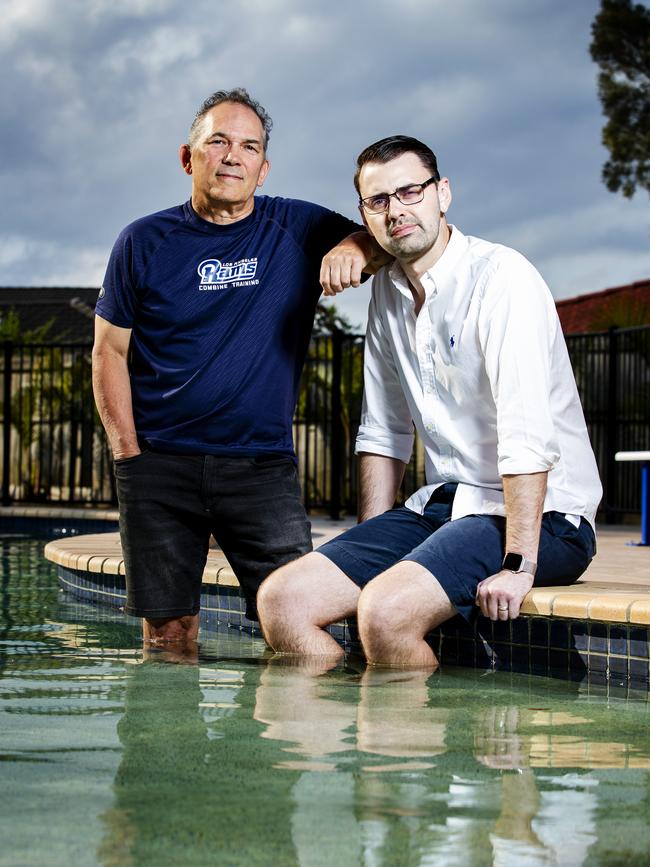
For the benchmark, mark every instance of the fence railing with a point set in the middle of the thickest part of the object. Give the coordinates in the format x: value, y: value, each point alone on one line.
x: 612, y: 371
x: 54, y: 449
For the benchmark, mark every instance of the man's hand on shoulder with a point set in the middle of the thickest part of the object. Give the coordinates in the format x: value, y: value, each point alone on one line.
x: 500, y: 596
x: 353, y: 256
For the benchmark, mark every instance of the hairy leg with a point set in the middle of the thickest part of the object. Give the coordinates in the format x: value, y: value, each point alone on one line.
x: 171, y: 630
x: 396, y: 611
x: 297, y: 600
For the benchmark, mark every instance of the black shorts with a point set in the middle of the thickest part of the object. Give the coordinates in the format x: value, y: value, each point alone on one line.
x: 169, y: 506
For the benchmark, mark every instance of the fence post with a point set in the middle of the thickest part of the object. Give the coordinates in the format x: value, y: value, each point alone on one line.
x: 336, y: 427
x: 611, y: 427
x: 6, y: 425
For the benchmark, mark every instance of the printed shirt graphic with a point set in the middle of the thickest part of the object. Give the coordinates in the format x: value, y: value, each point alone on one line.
x: 221, y: 318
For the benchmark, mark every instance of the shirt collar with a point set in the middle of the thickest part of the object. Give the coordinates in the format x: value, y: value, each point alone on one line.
x: 439, y: 275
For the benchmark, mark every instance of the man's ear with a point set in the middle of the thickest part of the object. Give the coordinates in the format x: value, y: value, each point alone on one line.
x: 444, y: 195
x: 185, y: 156
x: 266, y: 165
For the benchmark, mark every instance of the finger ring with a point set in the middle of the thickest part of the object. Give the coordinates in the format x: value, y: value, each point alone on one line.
x: 502, y: 607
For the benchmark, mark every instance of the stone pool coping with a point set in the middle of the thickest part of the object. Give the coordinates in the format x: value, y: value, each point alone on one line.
x: 615, y: 588
x: 596, y: 631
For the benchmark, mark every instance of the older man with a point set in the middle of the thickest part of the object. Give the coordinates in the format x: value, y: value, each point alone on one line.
x: 463, y: 342
x: 203, y: 323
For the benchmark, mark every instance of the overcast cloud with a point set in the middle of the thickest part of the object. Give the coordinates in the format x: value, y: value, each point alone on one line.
x: 98, y: 94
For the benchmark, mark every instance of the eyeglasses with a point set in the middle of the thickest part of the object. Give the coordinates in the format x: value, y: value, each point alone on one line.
x: 411, y: 194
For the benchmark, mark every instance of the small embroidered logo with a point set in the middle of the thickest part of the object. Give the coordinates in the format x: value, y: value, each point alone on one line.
x: 452, y: 342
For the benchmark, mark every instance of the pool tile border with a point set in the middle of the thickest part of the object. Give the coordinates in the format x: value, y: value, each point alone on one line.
x: 571, y: 649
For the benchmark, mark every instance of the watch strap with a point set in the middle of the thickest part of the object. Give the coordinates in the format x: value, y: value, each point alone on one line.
x: 514, y: 562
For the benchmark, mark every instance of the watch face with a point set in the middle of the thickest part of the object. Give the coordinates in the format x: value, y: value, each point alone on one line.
x: 513, y: 562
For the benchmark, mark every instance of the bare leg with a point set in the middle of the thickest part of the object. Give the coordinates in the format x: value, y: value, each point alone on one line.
x: 175, y: 634
x: 396, y: 611
x: 297, y: 600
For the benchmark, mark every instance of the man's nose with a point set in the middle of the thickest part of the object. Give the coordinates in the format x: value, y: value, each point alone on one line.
x: 231, y: 156
x: 395, y: 207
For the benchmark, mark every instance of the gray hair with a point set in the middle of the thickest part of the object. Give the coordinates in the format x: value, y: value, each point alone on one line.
x: 240, y: 96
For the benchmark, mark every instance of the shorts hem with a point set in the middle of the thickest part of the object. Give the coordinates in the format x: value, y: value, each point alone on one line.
x: 347, y: 563
x: 157, y: 613
x: 455, y: 583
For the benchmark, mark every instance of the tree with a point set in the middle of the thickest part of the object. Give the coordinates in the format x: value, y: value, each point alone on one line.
x: 621, y: 47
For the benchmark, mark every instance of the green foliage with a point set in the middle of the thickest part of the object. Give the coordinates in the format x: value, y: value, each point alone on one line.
x: 11, y: 330
x: 328, y: 319
x: 621, y: 47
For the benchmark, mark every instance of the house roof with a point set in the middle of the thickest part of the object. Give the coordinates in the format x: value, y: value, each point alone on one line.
x: 620, y: 306
x: 70, y: 309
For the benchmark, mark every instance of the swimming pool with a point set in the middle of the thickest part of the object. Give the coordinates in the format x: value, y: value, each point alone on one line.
x: 114, y: 760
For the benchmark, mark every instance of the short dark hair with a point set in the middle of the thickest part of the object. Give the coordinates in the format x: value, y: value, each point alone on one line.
x: 240, y: 96
x: 387, y: 149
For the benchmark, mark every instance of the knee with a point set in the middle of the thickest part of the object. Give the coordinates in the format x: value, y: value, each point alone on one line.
x: 277, y: 601
x: 379, y: 619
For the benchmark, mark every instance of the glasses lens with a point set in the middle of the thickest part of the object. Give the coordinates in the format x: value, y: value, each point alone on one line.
x: 376, y: 204
x: 409, y: 195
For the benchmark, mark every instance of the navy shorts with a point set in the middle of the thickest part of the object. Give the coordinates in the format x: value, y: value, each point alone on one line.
x: 461, y: 553
x: 169, y: 506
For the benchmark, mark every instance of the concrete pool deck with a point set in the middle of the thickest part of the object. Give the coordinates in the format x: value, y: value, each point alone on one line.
x: 615, y: 588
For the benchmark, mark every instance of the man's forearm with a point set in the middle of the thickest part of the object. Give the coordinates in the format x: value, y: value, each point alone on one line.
x: 524, y: 501
x: 112, y: 389
x: 376, y: 256
x: 344, y: 265
x: 380, y: 478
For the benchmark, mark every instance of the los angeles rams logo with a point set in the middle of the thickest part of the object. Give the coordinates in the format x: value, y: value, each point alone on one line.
x: 216, y: 274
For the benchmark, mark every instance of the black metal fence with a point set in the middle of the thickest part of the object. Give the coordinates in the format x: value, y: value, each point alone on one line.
x: 54, y: 449
x: 612, y: 371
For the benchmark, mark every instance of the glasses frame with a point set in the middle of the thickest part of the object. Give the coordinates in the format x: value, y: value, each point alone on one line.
x: 395, y: 194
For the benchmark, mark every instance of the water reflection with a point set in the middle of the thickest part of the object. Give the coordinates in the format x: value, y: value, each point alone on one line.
x: 195, y: 783
x: 245, y: 759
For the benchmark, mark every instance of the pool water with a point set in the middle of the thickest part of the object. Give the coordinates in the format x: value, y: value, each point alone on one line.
x: 113, y: 759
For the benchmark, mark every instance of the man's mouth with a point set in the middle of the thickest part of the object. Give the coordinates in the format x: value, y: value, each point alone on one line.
x: 402, y: 229
x: 229, y: 176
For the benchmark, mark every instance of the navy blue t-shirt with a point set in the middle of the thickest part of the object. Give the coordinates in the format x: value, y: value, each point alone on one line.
x: 221, y: 318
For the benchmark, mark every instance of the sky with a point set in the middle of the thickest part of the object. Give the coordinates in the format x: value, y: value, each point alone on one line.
x: 98, y: 95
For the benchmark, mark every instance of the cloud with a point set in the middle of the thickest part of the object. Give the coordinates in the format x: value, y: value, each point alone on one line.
x: 98, y: 96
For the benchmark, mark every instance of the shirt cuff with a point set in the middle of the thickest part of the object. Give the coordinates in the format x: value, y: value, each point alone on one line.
x: 381, y: 442
x: 524, y: 465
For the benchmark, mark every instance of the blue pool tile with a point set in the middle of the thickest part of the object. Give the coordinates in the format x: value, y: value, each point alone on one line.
x: 577, y: 662
x: 560, y: 634
x: 539, y: 632
x: 639, y: 642
x: 502, y: 631
x: 638, y: 670
x: 466, y: 652
x: 597, y: 663
x: 579, y: 636
x: 521, y: 656
x: 558, y: 661
x: 521, y: 630
x: 618, y: 640
x: 618, y: 667
x: 597, y: 638
x: 502, y: 654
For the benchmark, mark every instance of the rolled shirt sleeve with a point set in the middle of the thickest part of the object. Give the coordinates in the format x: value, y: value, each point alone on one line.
x: 386, y: 422
x: 517, y: 328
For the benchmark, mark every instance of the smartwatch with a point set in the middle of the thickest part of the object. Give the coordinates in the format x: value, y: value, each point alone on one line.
x: 518, y: 563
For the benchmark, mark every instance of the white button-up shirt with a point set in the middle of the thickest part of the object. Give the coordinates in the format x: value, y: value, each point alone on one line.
x: 484, y: 375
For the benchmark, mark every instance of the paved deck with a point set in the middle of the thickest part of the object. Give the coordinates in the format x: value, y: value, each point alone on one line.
x: 615, y: 588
